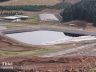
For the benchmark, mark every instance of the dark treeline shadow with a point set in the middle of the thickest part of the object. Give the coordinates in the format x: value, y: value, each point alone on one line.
x: 85, y: 10
x: 4, y: 0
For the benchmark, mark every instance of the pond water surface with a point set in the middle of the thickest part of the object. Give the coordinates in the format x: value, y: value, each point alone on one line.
x: 38, y: 37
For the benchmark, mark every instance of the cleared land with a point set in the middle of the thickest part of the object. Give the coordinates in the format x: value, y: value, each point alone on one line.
x: 9, y: 47
x: 30, y: 2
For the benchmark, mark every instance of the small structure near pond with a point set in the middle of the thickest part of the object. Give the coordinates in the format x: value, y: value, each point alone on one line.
x: 16, y: 18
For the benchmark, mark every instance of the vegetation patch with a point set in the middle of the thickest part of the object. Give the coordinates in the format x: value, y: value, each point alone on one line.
x: 35, y: 7
x: 28, y: 53
x: 25, y: 7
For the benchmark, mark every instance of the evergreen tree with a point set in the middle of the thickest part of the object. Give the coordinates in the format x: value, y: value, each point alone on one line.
x: 84, y: 11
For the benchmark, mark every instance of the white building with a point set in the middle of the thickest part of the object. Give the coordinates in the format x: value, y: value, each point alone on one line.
x: 16, y: 18
x: 22, y: 16
x: 45, y: 17
x: 11, y: 17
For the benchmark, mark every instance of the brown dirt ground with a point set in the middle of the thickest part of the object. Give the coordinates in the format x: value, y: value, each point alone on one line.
x: 53, y: 64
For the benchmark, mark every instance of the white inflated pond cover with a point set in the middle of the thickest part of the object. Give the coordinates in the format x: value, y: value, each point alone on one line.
x: 38, y: 37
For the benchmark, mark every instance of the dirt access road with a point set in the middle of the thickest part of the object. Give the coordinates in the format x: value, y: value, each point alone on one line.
x: 80, y: 51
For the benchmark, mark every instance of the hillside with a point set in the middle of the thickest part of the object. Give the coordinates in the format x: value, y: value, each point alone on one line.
x: 30, y: 2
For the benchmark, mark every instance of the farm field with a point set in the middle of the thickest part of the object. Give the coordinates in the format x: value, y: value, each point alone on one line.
x: 30, y: 2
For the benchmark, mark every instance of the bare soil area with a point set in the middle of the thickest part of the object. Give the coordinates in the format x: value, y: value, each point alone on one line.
x: 51, y: 64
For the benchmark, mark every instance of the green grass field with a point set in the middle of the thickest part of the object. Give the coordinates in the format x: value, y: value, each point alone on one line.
x: 38, y: 52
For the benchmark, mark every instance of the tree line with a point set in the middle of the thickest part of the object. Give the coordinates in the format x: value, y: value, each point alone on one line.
x: 24, y: 7
x: 4, y: 0
x: 35, y: 7
x: 84, y: 11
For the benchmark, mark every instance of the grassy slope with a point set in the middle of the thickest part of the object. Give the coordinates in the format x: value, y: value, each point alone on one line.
x: 30, y: 2
x: 28, y: 53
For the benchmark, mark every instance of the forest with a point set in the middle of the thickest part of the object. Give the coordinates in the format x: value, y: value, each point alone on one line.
x: 85, y: 10
x: 4, y: 0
